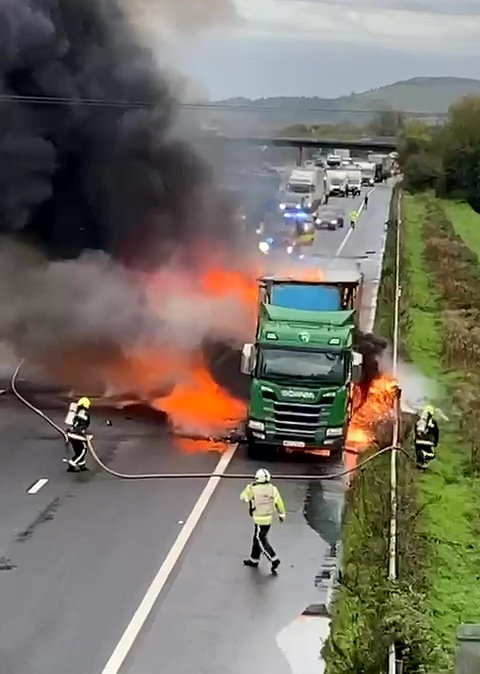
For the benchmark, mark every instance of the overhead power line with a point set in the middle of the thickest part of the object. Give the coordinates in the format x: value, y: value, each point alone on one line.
x: 112, y: 103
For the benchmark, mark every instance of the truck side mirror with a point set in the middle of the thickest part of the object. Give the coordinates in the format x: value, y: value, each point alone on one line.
x: 248, y: 359
x: 357, y: 362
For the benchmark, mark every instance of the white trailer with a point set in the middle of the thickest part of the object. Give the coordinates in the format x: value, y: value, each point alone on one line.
x: 354, y: 180
x: 336, y: 182
x: 344, y: 154
x: 305, y: 189
x: 368, y: 172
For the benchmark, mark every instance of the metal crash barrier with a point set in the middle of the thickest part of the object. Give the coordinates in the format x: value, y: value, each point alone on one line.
x: 467, y: 660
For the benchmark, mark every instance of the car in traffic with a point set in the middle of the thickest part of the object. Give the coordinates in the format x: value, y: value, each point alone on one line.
x: 329, y: 217
x: 276, y: 236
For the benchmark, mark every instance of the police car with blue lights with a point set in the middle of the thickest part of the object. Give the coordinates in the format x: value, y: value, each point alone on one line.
x: 286, y: 234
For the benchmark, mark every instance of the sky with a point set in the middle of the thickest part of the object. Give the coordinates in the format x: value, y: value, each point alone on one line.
x: 327, y: 48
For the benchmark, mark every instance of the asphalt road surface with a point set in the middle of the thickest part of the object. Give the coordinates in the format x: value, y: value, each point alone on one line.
x: 78, y: 556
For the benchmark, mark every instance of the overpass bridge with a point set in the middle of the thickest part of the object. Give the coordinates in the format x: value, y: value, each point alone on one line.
x: 385, y: 144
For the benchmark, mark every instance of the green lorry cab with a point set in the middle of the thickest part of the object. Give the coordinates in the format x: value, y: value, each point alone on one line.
x: 302, y: 365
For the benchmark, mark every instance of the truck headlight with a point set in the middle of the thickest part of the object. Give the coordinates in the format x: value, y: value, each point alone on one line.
x: 263, y: 247
x: 334, y: 222
x: 334, y: 432
x: 256, y: 425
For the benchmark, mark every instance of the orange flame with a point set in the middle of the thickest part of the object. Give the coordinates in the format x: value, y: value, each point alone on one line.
x: 199, y: 405
x: 195, y: 403
x: 370, y: 408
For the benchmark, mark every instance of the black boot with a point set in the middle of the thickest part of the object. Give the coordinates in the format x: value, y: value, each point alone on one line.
x: 251, y: 563
x: 275, y: 565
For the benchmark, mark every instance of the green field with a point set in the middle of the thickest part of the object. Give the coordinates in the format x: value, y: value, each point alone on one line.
x: 465, y: 222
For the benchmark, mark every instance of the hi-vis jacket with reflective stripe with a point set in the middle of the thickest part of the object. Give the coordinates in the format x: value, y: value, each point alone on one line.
x: 263, y: 499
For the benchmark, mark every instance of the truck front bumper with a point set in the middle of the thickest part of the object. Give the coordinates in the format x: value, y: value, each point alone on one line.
x: 327, y: 447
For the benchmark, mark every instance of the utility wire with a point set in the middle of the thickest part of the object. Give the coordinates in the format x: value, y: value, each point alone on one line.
x: 114, y: 103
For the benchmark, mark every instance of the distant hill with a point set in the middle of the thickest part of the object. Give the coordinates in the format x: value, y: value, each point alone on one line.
x: 418, y: 95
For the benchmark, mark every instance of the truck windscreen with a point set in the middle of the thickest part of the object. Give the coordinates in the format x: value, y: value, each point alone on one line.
x: 300, y: 188
x: 317, y: 365
x: 308, y: 297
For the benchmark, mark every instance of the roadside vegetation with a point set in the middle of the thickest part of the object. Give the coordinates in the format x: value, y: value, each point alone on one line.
x: 439, y: 522
x: 368, y: 611
x: 443, y: 341
x: 444, y: 158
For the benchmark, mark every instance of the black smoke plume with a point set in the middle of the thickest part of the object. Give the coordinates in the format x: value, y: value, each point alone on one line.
x: 95, y: 181
x: 95, y: 168
x: 371, y: 347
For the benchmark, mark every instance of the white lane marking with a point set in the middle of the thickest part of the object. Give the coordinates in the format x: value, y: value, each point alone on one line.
x: 36, y: 486
x: 145, y: 607
x: 350, y: 231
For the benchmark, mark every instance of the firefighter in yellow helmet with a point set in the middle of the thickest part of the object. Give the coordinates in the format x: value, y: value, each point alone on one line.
x: 77, y: 422
x: 263, y: 499
x: 427, y: 436
x: 353, y: 218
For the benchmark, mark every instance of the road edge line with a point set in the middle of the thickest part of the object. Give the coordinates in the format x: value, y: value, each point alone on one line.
x: 134, y: 627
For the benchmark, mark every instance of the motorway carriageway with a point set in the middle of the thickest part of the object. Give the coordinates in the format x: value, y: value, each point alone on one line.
x: 78, y: 554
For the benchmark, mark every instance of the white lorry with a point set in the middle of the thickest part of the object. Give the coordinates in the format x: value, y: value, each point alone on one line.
x: 354, y: 180
x: 368, y: 172
x: 344, y: 154
x: 336, y: 182
x: 305, y: 189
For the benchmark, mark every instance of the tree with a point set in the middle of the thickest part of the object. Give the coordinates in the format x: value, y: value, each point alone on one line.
x: 419, y: 156
x: 461, y: 151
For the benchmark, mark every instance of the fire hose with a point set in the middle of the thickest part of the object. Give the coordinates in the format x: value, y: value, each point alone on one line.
x: 172, y: 476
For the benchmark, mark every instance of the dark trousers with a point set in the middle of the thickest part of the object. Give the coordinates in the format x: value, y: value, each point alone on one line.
x: 261, y: 544
x: 424, y: 453
x: 79, y: 448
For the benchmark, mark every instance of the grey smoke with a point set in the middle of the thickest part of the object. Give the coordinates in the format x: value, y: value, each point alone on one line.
x: 96, y: 314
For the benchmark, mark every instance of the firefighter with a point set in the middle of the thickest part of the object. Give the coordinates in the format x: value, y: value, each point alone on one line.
x: 263, y: 499
x: 427, y: 435
x: 353, y: 218
x: 78, y: 421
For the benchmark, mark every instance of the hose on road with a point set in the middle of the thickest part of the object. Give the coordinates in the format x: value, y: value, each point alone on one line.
x: 189, y: 476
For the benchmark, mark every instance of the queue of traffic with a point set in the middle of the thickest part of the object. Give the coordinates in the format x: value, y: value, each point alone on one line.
x: 304, y: 199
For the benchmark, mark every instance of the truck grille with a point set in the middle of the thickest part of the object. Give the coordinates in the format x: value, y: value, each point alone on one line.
x: 301, y: 420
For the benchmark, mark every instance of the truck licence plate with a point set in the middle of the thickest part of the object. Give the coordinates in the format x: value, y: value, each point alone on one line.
x: 292, y: 443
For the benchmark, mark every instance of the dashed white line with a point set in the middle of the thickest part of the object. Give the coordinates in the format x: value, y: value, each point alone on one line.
x: 145, y: 607
x: 36, y: 486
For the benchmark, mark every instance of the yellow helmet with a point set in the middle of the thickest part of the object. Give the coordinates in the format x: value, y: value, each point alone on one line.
x: 84, y: 402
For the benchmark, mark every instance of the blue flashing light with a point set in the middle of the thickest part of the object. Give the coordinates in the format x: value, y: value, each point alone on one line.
x: 296, y: 215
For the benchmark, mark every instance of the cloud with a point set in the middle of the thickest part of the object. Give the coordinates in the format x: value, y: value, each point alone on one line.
x: 461, y: 7
x: 421, y: 25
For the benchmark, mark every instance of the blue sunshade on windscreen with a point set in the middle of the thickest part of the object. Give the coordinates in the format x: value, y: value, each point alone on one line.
x: 306, y: 297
